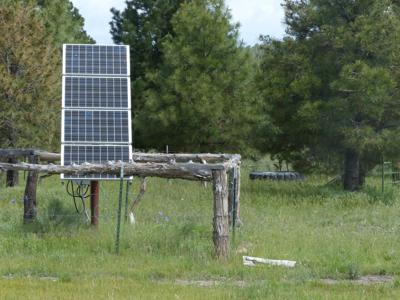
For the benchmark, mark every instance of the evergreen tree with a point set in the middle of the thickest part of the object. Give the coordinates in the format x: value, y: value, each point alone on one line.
x: 64, y: 22
x: 29, y: 80
x: 200, y: 100
x: 143, y: 25
x: 332, y: 85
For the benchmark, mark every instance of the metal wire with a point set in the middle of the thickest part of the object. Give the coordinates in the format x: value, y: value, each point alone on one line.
x: 79, y: 191
x: 121, y: 187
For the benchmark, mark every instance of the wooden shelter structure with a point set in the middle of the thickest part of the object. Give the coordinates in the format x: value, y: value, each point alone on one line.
x: 223, y: 170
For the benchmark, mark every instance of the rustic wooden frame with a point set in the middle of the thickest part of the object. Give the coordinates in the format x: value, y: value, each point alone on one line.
x: 223, y: 170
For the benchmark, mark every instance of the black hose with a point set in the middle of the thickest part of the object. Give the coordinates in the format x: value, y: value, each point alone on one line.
x: 80, y: 191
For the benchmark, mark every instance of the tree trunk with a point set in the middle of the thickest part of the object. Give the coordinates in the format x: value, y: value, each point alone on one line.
x: 351, y: 180
x: 362, y: 175
x: 12, y: 176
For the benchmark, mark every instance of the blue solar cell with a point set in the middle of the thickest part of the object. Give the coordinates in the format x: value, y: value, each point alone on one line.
x: 96, y: 60
x: 96, y: 92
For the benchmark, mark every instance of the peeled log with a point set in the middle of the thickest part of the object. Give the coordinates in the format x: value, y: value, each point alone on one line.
x: 221, y: 216
x: 188, y: 171
x: 183, y: 157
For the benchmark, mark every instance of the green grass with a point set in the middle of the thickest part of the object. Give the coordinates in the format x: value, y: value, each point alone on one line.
x: 168, y: 254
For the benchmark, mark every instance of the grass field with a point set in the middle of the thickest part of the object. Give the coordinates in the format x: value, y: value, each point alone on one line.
x: 336, y: 237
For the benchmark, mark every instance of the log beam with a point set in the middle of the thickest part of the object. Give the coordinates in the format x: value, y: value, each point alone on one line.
x: 182, y: 158
x: 187, y: 171
x: 22, y: 153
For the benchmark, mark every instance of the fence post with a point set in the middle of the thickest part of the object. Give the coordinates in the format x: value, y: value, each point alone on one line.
x: 12, y: 177
x: 30, y: 202
x: 94, y: 203
x: 221, y: 217
x: 237, y: 197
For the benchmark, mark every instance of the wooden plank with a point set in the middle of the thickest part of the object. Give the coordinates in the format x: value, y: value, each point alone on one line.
x: 221, y: 220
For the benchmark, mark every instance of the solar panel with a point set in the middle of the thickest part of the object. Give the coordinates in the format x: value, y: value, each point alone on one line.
x: 96, y: 108
x: 96, y: 126
x: 78, y: 154
x: 96, y: 92
x: 96, y: 60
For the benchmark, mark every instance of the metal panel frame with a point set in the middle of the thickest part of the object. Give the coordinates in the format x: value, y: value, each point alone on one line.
x: 63, y: 141
x: 128, y: 68
x: 100, y: 107
x: 128, y: 109
x: 94, y: 178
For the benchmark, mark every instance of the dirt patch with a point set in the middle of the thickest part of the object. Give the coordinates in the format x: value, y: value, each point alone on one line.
x: 364, y: 280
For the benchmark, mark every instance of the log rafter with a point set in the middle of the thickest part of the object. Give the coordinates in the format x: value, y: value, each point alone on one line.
x: 188, y: 171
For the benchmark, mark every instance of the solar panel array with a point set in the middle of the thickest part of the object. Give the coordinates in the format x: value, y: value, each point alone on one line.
x: 96, y: 110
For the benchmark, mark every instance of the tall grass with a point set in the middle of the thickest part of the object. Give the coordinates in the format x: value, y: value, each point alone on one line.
x: 168, y: 253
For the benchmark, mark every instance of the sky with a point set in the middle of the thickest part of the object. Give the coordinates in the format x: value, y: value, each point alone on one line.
x: 255, y: 16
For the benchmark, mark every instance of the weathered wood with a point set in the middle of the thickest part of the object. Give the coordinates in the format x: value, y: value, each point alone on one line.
x: 234, y: 196
x: 94, y: 203
x: 188, y: 171
x: 48, y: 156
x: 221, y: 220
x: 12, y: 176
x: 30, y: 202
x: 252, y: 261
x: 136, y: 201
x: 231, y: 195
x: 21, y: 153
x: 181, y: 158
x: 237, y: 187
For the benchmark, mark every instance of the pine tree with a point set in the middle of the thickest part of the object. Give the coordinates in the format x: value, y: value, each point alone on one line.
x: 200, y: 99
x: 63, y: 22
x: 29, y: 80
x: 332, y: 85
x: 143, y: 25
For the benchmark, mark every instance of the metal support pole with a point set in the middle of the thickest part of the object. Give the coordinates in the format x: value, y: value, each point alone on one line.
x: 121, y: 187
x: 94, y: 203
x: 383, y: 174
x: 128, y: 183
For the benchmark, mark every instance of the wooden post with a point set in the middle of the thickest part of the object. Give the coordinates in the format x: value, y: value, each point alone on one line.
x: 94, y: 203
x: 237, y: 193
x: 12, y: 176
x: 221, y: 219
x: 234, y: 196
x: 30, y: 192
x: 231, y: 195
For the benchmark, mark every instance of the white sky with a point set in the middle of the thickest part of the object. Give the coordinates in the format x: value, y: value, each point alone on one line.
x: 255, y: 16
